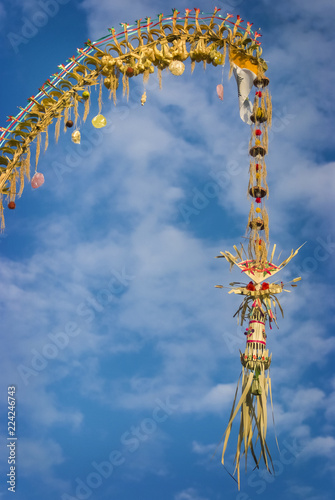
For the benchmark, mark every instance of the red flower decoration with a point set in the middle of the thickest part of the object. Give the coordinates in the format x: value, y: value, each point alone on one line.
x: 250, y: 286
x: 265, y: 286
x: 259, y: 93
x: 258, y: 132
x: 258, y: 200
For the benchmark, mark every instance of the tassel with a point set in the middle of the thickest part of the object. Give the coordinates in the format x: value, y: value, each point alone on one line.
x: 224, y: 52
x: 252, y: 137
x: 76, y: 114
x: 264, y: 175
x: 21, y: 180
x: 46, y: 139
x: 66, y: 117
x: 159, y: 73
x: 251, y: 213
x: 231, y: 67
x: 266, y: 223
x: 252, y: 169
x: 26, y: 164
x: 266, y: 135
x: 100, y: 97
x: 12, y: 189
x: 87, y: 108
x: 57, y: 128
x: 268, y: 107
x: 115, y: 84
x: 38, y: 149
x: 2, y: 215
x: 146, y: 76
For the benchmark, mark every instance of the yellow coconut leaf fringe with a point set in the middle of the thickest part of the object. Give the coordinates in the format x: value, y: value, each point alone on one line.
x: 87, y: 108
x: 26, y: 164
x: 46, y: 139
x: 2, y: 217
x: 57, y: 128
x: 253, y: 417
x: 38, y: 150
x: 66, y: 117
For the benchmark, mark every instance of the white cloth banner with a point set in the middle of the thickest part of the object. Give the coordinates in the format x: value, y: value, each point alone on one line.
x: 245, y: 80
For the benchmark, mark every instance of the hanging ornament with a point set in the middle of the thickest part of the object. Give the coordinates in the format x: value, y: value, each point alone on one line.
x: 257, y: 191
x: 130, y: 71
x: 257, y: 149
x: 76, y: 136
x: 144, y: 98
x: 260, y: 116
x: 85, y: 95
x: 216, y: 57
x: 69, y: 124
x: 11, y: 205
x: 99, y: 121
x: 177, y: 67
x: 37, y: 180
x: 219, y: 91
x: 261, y: 82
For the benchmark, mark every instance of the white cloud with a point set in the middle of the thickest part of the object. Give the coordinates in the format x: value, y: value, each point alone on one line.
x: 321, y: 446
x: 189, y: 494
x: 47, y: 453
x: 203, y: 449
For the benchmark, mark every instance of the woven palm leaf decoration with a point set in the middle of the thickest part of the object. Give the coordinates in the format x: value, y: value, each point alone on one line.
x: 258, y: 307
x: 150, y: 46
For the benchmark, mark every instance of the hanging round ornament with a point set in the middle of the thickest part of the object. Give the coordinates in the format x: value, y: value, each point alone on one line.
x: 177, y: 67
x: 37, y: 180
x: 216, y: 57
x: 99, y: 121
x: 76, y: 136
x: 11, y: 205
x: 130, y: 71
x: 219, y: 91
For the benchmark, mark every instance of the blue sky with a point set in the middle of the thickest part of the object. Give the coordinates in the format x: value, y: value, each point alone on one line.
x: 124, y: 355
